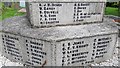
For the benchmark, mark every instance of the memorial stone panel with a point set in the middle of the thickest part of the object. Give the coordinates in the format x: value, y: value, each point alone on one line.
x: 65, y: 13
x: 85, y: 51
x: 11, y: 47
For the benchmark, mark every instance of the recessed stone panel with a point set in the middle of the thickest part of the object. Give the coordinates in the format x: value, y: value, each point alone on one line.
x: 44, y: 14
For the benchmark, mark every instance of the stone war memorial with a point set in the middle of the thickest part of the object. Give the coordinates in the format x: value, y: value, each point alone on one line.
x: 59, y: 33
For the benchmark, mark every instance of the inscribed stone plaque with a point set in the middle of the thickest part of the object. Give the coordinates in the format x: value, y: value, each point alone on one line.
x: 64, y: 13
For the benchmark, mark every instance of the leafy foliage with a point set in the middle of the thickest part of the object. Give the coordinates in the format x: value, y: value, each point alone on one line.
x: 7, y: 12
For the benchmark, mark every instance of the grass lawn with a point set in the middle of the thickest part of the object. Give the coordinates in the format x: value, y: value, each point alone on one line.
x: 112, y: 11
x: 10, y: 12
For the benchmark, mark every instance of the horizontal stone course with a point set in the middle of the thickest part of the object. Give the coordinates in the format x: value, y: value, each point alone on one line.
x: 21, y: 27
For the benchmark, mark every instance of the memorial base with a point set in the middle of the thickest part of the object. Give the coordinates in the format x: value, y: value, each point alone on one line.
x: 75, y: 45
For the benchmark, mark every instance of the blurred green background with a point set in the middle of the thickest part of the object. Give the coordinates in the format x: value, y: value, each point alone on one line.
x: 10, y: 10
x: 112, y: 8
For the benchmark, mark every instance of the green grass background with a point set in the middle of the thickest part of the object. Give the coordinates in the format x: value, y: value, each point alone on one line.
x: 112, y: 11
x: 9, y: 12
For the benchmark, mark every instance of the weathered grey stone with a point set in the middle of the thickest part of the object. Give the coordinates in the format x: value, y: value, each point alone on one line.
x: 47, y: 13
x: 67, y: 1
x: 111, y: 17
x: 0, y: 36
x: 70, y: 45
x: 57, y: 33
x: 55, y: 39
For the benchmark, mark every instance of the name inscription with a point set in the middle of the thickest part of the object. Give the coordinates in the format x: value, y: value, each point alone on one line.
x: 68, y: 13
